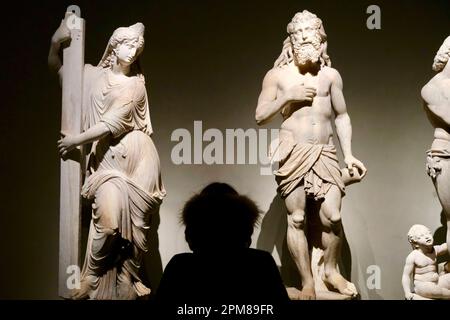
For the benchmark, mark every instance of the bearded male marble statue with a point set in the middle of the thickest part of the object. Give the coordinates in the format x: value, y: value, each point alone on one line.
x: 307, y: 92
x: 436, y: 95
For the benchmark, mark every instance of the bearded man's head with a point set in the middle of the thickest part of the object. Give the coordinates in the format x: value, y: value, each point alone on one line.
x: 307, y: 41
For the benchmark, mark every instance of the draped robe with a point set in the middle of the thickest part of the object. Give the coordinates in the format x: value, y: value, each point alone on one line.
x: 123, y: 179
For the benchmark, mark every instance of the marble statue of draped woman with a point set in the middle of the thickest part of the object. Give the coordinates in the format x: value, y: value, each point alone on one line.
x: 123, y: 177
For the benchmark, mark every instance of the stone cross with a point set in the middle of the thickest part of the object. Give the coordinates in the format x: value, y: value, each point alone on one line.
x: 71, y: 173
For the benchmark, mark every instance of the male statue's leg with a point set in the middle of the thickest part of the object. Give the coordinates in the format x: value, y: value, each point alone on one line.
x: 431, y: 290
x: 297, y: 242
x: 442, y: 184
x: 444, y: 281
x: 332, y: 236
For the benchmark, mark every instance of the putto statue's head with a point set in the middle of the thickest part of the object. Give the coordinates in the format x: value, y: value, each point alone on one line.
x: 420, y: 235
x: 442, y: 56
x: 124, y: 47
x: 306, y: 43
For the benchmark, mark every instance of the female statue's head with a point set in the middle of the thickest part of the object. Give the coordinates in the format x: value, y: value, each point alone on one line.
x: 124, y: 47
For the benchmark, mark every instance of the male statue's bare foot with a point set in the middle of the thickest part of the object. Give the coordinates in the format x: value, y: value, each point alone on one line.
x: 307, y: 293
x: 338, y: 282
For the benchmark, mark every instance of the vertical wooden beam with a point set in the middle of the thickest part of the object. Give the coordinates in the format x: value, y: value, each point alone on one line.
x: 70, y: 184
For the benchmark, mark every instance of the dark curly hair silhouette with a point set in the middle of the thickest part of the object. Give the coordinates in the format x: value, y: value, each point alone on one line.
x: 218, y: 218
x: 222, y: 268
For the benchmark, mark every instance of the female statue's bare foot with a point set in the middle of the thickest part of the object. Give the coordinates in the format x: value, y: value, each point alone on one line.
x: 86, y: 286
x: 141, y: 289
x: 339, y: 283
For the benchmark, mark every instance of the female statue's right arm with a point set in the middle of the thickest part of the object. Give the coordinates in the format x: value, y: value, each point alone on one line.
x: 61, y: 35
x: 70, y: 142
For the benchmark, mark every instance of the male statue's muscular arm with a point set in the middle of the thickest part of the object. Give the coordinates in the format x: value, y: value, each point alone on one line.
x: 343, y: 125
x: 435, y: 102
x: 270, y: 103
x: 441, y: 249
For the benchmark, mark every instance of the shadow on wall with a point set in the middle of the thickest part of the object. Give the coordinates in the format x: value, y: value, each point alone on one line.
x: 273, y: 226
x: 369, y: 257
x: 152, y: 264
x: 273, y: 236
x: 440, y: 236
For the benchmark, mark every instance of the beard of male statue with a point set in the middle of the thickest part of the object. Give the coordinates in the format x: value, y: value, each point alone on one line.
x: 306, y: 51
x: 307, y: 92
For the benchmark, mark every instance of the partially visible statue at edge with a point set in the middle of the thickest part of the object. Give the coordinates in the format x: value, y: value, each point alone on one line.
x: 436, y: 96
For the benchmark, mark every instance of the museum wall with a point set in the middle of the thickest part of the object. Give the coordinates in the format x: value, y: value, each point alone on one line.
x: 205, y: 61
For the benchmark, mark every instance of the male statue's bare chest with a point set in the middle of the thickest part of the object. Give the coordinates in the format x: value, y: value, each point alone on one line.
x: 320, y: 82
x: 320, y: 106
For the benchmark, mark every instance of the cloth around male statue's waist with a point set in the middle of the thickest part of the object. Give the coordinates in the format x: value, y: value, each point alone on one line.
x: 439, y: 148
x: 287, y: 146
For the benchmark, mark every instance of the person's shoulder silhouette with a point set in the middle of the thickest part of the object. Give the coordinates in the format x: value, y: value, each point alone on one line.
x: 222, y: 268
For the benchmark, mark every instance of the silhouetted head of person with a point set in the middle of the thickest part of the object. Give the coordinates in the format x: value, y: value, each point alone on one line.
x: 218, y: 218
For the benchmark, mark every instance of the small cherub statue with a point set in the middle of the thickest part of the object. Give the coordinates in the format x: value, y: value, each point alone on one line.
x: 421, y: 265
